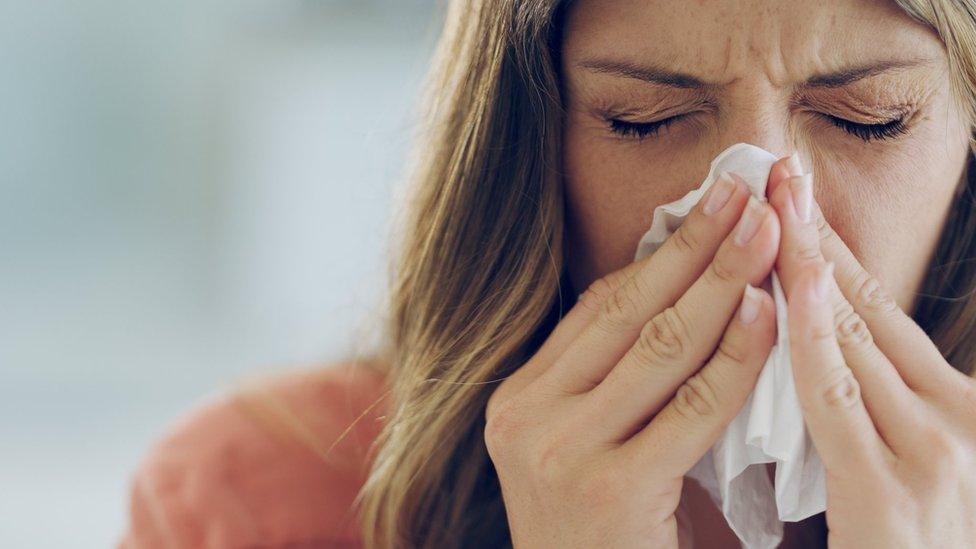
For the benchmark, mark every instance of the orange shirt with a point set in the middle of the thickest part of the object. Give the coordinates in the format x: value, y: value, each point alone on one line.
x: 229, y: 475
x: 233, y: 474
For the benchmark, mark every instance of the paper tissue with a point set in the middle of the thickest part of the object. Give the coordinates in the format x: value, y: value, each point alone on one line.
x: 770, y: 427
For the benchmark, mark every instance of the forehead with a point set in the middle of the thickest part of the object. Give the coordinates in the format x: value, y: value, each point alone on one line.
x: 722, y: 40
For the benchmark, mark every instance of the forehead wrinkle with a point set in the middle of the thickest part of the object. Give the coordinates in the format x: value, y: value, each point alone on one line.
x: 760, y: 48
x: 727, y: 62
x: 760, y: 44
x: 753, y: 40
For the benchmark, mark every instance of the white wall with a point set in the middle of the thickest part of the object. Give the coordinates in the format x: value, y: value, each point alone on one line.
x: 190, y: 192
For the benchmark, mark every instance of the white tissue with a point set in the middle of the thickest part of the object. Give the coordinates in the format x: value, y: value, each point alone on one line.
x: 770, y: 427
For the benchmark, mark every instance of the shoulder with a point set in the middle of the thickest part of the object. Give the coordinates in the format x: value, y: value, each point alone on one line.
x: 276, y: 463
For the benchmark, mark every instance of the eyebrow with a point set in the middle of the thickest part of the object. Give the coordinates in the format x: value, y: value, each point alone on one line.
x: 664, y: 77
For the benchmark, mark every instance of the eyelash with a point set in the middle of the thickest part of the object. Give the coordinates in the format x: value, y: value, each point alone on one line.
x: 867, y: 132
x: 639, y: 131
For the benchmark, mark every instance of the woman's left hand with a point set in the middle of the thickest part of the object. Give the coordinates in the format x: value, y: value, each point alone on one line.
x: 893, y: 422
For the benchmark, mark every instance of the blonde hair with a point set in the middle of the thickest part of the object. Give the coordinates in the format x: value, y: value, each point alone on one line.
x: 479, y: 279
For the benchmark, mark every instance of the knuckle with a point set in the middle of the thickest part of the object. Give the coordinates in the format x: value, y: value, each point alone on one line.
x: 820, y: 333
x: 852, y: 332
x: 696, y: 398
x: 664, y: 338
x: 685, y: 240
x: 503, y: 430
x: 869, y: 294
x: 824, y: 230
x: 840, y: 390
x: 732, y: 351
x: 622, y: 305
x: 807, y: 252
x: 494, y: 401
x: 547, y: 459
x: 497, y: 431
x: 719, y: 271
x: 501, y: 398
x: 596, y: 293
x: 616, y: 309
x: 945, y: 452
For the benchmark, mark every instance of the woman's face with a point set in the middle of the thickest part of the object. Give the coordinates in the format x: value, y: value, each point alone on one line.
x: 783, y: 75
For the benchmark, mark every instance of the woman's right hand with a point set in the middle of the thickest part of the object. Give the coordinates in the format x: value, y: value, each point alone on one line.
x: 592, y: 437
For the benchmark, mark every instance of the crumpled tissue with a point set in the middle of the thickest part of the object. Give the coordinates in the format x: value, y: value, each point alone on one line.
x: 769, y: 427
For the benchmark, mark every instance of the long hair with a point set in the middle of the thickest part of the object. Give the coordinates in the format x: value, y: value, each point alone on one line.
x: 479, y: 279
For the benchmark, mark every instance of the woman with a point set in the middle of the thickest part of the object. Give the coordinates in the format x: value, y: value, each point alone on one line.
x: 554, y: 130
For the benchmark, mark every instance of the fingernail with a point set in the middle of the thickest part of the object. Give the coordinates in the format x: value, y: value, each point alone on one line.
x: 749, y: 223
x: 802, y: 189
x: 822, y: 283
x: 721, y: 191
x: 793, y: 165
x: 751, y: 300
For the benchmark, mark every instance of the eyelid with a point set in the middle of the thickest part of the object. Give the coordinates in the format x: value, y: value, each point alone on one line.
x: 656, y: 118
x: 904, y: 113
x: 638, y: 131
x: 888, y: 128
x: 857, y: 111
x: 869, y: 122
x: 868, y: 132
x: 658, y: 109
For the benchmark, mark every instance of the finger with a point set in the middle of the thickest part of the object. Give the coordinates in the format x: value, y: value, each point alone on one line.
x: 705, y: 403
x: 781, y: 170
x: 907, y: 346
x: 587, y: 305
x: 829, y: 395
x: 791, y: 197
x: 892, y: 405
x: 901, y: 339
x: 655, y: 285
x: 674, y: 344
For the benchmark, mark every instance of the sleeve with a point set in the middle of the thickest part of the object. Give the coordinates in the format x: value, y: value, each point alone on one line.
x: 185, y: 493
x: 225, y: 477
x: 157, y: 519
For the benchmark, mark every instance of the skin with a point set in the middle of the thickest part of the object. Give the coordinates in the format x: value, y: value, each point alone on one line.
x: 593, y: 436
x: 758, y: 54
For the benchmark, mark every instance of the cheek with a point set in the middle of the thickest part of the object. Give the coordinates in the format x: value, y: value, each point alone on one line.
x: 889, y: 199
x: 873, y: 206
x: 611, y: 191
x: 887, y: 205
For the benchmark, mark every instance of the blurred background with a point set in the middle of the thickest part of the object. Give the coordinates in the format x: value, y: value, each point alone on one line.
x: 192, y: 192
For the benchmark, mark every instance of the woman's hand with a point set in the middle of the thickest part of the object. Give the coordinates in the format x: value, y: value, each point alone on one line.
x: 894, y: 423
x: 591, y: 437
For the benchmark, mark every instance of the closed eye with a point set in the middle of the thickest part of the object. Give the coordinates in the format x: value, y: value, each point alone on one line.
x: 867, y: 132
x: 640, y: 130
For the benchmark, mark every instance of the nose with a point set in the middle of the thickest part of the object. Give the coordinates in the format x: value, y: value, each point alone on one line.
x: 764, y: 124
x: 762, y: 128
x: 770, y: 136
